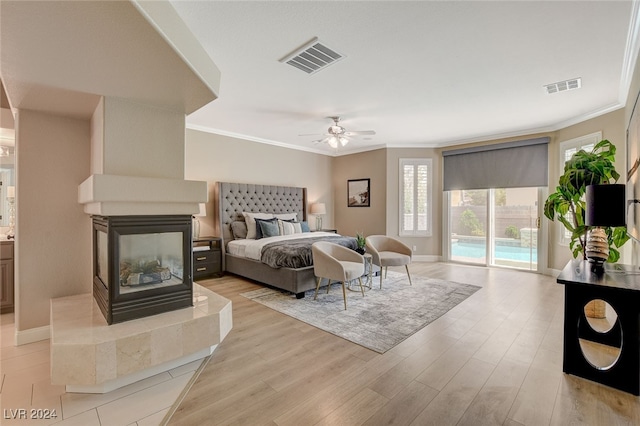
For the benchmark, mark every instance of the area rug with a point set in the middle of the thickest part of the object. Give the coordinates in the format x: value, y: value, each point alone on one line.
x: 379, y: 320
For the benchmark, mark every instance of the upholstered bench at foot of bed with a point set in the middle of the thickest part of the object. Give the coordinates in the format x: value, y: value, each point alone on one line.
x: 296, y: 281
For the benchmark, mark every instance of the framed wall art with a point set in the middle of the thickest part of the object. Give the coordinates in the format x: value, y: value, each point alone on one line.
x: 358, y: 191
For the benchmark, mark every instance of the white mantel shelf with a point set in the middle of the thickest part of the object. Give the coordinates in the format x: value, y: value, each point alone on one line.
x: 109, y: 195
x: 89, y: 356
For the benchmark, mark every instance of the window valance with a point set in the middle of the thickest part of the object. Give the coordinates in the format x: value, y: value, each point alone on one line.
x: 518, y: 164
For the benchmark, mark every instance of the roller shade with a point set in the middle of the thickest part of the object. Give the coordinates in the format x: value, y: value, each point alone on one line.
x: 519, y: 164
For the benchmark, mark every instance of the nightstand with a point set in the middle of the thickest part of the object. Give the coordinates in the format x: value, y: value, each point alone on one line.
x: 207, y: 257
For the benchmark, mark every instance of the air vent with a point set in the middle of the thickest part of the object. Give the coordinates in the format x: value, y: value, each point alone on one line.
x: 561, y: 86
x: 312, y: 57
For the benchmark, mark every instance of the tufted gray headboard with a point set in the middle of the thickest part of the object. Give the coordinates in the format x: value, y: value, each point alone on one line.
x: 234, y: 198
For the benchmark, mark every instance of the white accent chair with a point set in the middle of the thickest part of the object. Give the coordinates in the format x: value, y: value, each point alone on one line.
x: 387, y: 251
x: 335, y: 262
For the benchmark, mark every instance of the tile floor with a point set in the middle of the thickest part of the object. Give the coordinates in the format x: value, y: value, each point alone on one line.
x: 25, y: 384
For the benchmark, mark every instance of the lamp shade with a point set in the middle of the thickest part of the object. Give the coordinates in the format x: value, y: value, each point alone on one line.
x: 318, y: 208
x: 605, y: 205
x: 202, y: 210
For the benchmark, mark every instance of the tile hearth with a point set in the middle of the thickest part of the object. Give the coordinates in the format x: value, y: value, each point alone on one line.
x: 89, y: 356
x: 25, y: 384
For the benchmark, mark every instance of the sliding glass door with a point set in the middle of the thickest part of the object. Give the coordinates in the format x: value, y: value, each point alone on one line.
x: 494, y: 227
x: 468, y: 226
x: 515, y: 228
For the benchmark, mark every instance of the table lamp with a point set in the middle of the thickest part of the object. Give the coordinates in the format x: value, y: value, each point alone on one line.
x: 202, y: 207
x: 605, y: 207
x: 318, y: 209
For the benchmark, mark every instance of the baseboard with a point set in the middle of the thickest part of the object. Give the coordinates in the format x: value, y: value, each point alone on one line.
x: 32, y: 335
x: 435, y: 258
x: 552, y: 272
x: 426, y: 258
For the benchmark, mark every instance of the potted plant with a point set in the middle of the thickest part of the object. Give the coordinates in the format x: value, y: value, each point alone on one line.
x: 360, y: 243
x: 567, y: 203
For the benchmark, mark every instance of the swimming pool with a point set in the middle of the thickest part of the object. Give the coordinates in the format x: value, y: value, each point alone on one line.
x: 478, y: 250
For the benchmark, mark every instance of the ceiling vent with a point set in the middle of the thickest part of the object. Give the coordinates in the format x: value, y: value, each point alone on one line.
x: 561, y: 86
x: 312, y: 57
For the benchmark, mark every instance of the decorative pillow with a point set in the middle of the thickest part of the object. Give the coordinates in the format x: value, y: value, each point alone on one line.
x: 289, y: 227
x: 286, y: 216
x: 305, y: 226
x: 250, y: 219
x: 269, y: 229
x: 239, y: 230
x: 259, y: 229
x: 297, y: 228
x: 286, y: 227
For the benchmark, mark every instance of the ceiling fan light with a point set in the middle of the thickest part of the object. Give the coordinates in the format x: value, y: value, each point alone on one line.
x: 336, y: 130
x: 343, y: 141
x: 333, y: 142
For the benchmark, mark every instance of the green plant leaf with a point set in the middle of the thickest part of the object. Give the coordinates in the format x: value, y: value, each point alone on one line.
x: 567, y: 204
x: 614, y: 255
x: 619, y: 236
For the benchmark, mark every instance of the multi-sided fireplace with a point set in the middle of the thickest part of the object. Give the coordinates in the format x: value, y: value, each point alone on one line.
x: 141, y: 265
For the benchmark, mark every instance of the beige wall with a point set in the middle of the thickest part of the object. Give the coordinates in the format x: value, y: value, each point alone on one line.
x: 612, y: 127
x: 214, y: 158
x: 133, y: 132
x: 431, y: 246
x: 53, y: 235
x: 381, y: 166
x: 631, y: 254
x: 634, y: 90
x: 367, y: 220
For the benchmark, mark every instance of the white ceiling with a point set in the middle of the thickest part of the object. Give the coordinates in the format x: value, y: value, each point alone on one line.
x: 421, y: 74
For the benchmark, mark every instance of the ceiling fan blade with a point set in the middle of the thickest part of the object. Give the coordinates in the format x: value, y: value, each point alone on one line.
x: 319, y: 141
x: 337, y: 136
x: 361, y: 132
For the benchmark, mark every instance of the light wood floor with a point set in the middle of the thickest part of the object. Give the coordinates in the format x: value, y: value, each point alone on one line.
x: 495, y: 359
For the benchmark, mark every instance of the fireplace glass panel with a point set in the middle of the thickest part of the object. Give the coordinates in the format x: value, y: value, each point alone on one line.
x: 102, y: 266
x: 142, y: 265
x: 150, y: 261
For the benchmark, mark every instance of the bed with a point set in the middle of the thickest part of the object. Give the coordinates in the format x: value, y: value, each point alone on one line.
x: 245, y: 258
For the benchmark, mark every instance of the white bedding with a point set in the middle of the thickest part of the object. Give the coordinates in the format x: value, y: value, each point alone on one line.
x: 252, y: 249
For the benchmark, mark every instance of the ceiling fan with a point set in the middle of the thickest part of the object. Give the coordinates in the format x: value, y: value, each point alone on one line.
x: 337, y: 135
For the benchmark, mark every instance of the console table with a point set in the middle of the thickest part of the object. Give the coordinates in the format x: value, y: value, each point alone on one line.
x: 619, y: 286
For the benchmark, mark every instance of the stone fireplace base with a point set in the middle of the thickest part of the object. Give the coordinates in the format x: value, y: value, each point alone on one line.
x: 89, y: 356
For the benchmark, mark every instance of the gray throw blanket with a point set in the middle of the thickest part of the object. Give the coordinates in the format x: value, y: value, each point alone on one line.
x: 297, y: 253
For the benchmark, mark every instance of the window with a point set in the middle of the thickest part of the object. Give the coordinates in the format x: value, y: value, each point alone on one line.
x: 415, y: 196
x: 567, y: 149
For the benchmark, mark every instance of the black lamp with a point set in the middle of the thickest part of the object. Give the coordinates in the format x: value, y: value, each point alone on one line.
x: 605, y: 208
